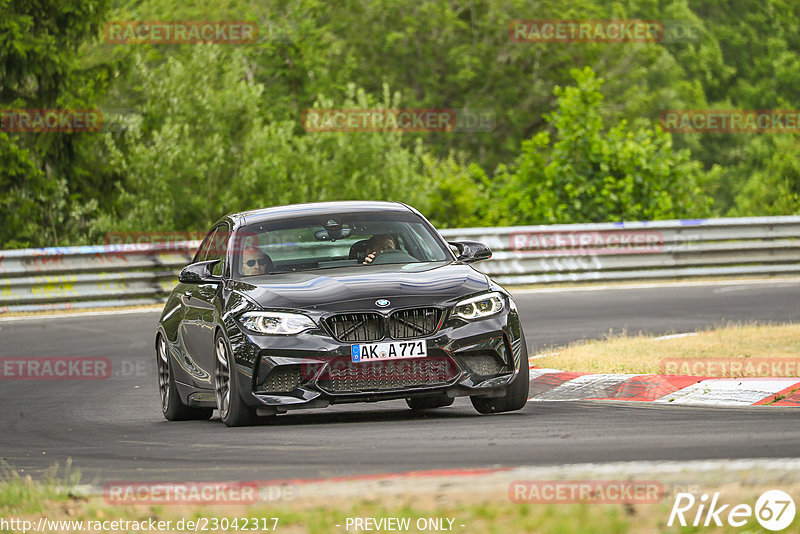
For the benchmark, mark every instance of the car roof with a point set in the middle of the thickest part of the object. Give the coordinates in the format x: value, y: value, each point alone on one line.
x: 316, y: 208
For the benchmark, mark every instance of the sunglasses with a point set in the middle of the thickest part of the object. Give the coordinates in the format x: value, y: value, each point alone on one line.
x: 262, y: 262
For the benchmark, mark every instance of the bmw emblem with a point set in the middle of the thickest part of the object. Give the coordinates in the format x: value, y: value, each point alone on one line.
x: 382, y: 303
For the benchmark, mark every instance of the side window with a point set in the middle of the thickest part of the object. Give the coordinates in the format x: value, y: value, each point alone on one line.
x: 218, y: 249
x: 202, y: 252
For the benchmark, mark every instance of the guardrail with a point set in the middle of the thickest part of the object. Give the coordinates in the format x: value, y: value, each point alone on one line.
x: 61, y: 278
x: 118, y: 275
x: 639, y: 250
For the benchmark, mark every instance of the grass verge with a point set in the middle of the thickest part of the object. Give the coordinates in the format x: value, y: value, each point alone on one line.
x: 21, y: 495
x: 480, y: 505
x: 745, y: 345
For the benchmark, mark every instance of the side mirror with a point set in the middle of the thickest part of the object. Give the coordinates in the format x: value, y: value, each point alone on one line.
x: 199, y: 273
x: 471, y: 251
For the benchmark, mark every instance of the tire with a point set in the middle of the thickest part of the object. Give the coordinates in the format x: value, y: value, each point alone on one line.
x: 171, y: 405
x: 232, y: 409
x: 428, y: 403
x: 516, y: 392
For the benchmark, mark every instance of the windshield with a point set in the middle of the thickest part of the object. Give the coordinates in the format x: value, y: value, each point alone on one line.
x: 333, y: 241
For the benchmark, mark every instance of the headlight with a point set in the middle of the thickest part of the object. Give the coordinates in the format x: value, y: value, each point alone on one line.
x: 480, y: 307
x: 276, y: 322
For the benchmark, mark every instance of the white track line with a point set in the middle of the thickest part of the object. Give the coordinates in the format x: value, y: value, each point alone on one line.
x: 674, y: 336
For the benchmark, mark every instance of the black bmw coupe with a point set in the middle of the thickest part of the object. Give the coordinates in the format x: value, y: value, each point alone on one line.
x: 307, y: 305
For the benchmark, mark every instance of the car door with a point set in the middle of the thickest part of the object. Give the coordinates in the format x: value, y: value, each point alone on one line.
x: 206, y: 301
x: 197, y: 326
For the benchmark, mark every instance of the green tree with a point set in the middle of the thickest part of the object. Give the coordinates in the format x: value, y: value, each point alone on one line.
x: 773, y: 184
x: 759, y: 47
x: 206, y: 143
x: 228, y: 120
x: 590, y: 174
x: 459, y: 197
x: 46, y: 185
x: 22, y: 190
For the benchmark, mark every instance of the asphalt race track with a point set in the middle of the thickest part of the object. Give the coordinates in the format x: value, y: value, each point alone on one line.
x: 113, y: 429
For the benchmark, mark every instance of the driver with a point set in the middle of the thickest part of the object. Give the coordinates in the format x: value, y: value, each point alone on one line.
x: 255, y: 262
x: 378, y: 243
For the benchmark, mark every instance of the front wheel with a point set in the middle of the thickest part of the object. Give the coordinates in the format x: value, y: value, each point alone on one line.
x: 171, y: 405
x: 232, y: 409
x: 516, y: 391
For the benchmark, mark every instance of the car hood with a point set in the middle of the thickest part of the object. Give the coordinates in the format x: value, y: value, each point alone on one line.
x: 359, y: 287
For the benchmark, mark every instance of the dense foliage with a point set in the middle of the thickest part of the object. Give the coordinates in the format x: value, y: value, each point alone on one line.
x: 194, y: 131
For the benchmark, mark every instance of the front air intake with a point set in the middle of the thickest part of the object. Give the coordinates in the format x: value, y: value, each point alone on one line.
x: 367, y: 326
x: 415, y: 322
x: 356, y: 327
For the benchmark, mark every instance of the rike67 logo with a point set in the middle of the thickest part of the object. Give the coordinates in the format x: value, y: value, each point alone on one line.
x: 774, y: 510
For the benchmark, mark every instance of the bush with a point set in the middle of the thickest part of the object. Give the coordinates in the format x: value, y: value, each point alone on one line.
x: 589, y: 174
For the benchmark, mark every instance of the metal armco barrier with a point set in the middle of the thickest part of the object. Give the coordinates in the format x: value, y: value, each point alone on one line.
x: 117, y: 275
x: 62, y: 278
x: 638, y: 250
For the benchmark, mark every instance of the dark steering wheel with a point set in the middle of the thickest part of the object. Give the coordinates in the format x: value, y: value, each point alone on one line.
x: 393, y: 255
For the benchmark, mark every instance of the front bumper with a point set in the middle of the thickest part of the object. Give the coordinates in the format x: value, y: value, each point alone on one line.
x: 313, y: 370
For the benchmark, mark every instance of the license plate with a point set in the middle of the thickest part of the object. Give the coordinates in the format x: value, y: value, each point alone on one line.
x: 395, y: 350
